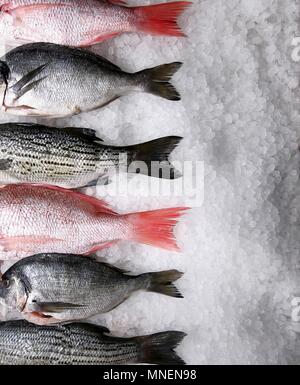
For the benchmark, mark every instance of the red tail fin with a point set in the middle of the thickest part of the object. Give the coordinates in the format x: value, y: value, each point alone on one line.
x: 161, y: 19
x: 155, y: 228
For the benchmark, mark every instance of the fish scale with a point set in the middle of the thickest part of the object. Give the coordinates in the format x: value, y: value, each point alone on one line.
x: 84, y: 22
x: 70, y: 158
x: 82, y: 344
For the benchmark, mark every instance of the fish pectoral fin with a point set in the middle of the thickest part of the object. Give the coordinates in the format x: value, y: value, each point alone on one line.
x: 5, y: 164
x: 53, y: 307
x: 24, y: 84
x: 40, y: 319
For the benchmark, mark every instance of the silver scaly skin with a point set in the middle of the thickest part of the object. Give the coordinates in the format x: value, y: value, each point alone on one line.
x: 53, y: 288
x: 22, y: 343
x: 43, y: 79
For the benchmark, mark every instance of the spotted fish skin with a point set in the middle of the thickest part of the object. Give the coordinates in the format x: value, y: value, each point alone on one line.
x: 71, y: 157
x: 22, y: 343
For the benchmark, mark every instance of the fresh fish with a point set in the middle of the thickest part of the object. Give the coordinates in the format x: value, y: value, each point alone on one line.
x: 54, y: 288
x: 43, y: 79
x: 84, y: 22
x: 38, y: 218
x: 22, y: 343
x: 75, y: 157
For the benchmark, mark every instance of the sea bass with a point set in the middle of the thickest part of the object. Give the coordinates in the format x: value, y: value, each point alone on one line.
x: 75, y: 157
x: 22, y: 343
x: 54, y: 288
x: 38, y: 218
x: 84, y: 22
x: 43, y: 79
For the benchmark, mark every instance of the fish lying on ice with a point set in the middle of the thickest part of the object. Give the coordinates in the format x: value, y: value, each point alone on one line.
x: 22, y: 343
x: 54, y: 288
x: 38, y: 218
x: 75, y: 157
x: 43, y: 79
x: 84, y: 22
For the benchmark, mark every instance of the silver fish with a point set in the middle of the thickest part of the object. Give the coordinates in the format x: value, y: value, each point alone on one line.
x: 53, y: 288
x: 75, y: 157
x: 22, y: 343
x: 44, y: 79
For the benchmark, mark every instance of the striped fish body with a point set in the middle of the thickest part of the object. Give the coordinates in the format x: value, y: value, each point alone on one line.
x: 22, y: 343
x: 72, y: 157
x: 69, y: 158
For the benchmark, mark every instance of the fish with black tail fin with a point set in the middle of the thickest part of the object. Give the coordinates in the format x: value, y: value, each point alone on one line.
x: 54, y: 288
x: 22, y: 343
x: 75, y: 157
x: 30, y: 85
x: 84, y: 23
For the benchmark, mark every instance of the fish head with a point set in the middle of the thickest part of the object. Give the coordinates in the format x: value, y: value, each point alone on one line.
x: 12, y: 292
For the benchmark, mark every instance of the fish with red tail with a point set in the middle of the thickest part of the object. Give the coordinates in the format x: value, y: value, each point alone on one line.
x: 84, y: 22
x: 37, y: 218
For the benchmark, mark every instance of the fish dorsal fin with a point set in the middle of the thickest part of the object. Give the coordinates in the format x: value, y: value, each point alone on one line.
x: 92, y: 328
x: 98, y: 58
x: 97, y: 206
x: 117, y: 269
x: 85, y: 133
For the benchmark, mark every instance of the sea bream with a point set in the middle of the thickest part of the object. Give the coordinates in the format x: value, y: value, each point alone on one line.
x: 38, y: 218
x: 76, y: 157
x: 43, y: 79
x: 54, y: 288
x: 22, y: 343
x: 84, y: 22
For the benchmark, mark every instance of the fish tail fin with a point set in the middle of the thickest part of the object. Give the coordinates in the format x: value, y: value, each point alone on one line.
x: 160, y: 348
x: 161, y: 19
x: 155, y: 228
x: 162, y: 283
x: 157, y: 81
x: 155, y: 156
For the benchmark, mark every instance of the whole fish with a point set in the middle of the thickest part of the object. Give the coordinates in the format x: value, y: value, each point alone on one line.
x: 53, y: 288
x: 38, y: 218
x: 43, y: 79
x: 84, y: 22
x: 75, y: 157
x: 22, y: 343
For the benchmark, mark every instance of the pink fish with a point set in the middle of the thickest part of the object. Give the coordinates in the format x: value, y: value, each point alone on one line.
x: 36, y: 219
x: 84, y: 22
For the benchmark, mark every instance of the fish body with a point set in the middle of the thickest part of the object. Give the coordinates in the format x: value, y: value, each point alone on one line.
x: 53, y: 288
x: 38, y: 218
x: 49, y: 80
x: 72, y: 157
x: 22, y: 343
x: 84, y: 22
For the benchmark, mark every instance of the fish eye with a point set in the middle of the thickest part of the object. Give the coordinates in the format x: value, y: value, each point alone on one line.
x: 6, y: 283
